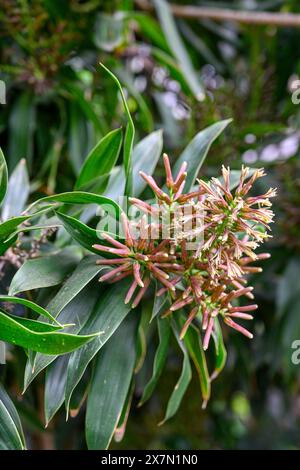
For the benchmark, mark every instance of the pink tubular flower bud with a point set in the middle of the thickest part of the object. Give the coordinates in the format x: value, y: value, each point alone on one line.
x: 113, y: 272
x: 169, y: 177
x: 137, y: 274
x: 141, y: 293
x: 238, y: 327
x: 208, y: 334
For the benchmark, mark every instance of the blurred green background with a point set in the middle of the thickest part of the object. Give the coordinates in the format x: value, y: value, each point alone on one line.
x: 58, y: 105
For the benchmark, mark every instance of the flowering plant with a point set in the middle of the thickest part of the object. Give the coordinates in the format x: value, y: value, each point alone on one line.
x: 180, y: 262
x: 209, y: 279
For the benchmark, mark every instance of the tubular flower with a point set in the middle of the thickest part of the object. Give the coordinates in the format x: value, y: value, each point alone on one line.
x: 203, y: 247
x: 139, y: 257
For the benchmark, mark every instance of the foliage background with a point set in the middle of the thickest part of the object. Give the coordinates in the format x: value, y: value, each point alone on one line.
x: 58, y: 106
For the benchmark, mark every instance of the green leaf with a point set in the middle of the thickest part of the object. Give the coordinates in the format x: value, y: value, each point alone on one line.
x: 7, y: 244
x: 85, y: 272
x: 17, y: 192
x: 192, y: 339
x: 72, y: 304
x: 31, y: 305
x: 195, y: 153
x: 145, y: 157
x: 221, y: 353
x: 33, y: 325
x: 21, y: 128
x: 178, y: 48
x: 3, y: 176
x: 99, y: 162
x: 160, y: 303
x: 7, y: 228
x: 43, y: 272
x: 182, y: 384
x: 144, y: 115
x: 164, y: 331
x: 116, y: 183
x: 121, y: 427
x: 110, y: 385
x: 85, y: 105
x: 50, y: 342
x: 80, y: 141
x: 106, y: 317
x: 82, y: 233
x: 55, y: 384
x: 150, y: 28
x: 129, y: 136
x: 11, y: 433
x: 80, y: 197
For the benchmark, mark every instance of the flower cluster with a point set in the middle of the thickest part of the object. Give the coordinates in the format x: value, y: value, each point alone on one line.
x: 199, y: 246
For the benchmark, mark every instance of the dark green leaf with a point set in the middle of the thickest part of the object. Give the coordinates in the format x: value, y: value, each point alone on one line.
x: 31, y: 305
x: 3, y: 176
x: 195, y: 153
x: 55, y: 384
x: 110, y: 385
x: 50, y: 342
x: 80, y: 197
x: 99, y: 162
x: 7, y: 228
x: 21, y: 128
x: 164, y: 330
x: 11, y: 434
x: 106, y: 317
x: 82, y: 233
x: 43, y: 272
x: 17, y: 192
x: 145, y: 157
x: 129, y: 136
x: 192, y: 339
x: 182, y: 384
x: 72, y: 304
x: 221, y: 353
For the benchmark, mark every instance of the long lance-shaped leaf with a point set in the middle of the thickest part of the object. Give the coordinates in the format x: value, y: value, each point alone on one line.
x: 11, y: 433
x: 164, y: 331
x: 145, y: 156
x: 17, y: 192
x: 49, y: 342
x: 80, y: 232
x: 43, y: 272
x: 107, y: 315
x: 34, y: 325
x: 55, y: 384
x: 192, y: 339
x: 183, y: 381
x: 29, y: 304
x: 196, y: 151
x: 99, y: 162
x: 178, y: 48
x: 72, y: 304
x: 221, y: 353
x: 129, y: 136
x: 79, y: 197
x: 9, y: 226
x: 3, y: 176
x: 110, y: 384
